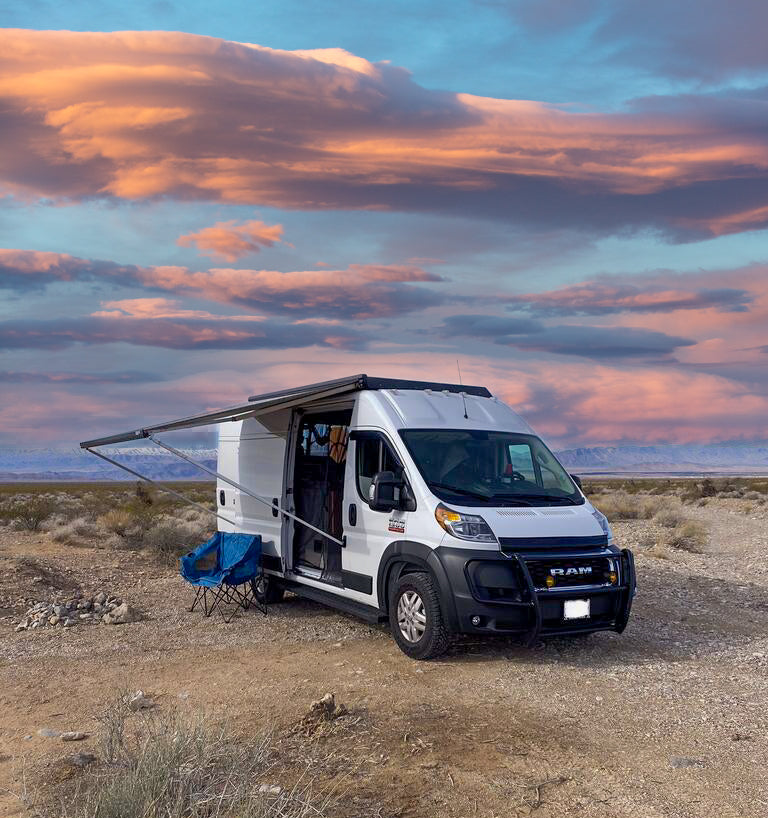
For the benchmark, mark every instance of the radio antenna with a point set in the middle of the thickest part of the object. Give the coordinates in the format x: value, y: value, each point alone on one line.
x: 463, y: 395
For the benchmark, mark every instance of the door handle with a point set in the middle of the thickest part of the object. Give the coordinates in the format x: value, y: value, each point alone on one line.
x: 352, y: 514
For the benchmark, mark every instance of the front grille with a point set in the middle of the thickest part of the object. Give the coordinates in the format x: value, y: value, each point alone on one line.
x: 569, y: 573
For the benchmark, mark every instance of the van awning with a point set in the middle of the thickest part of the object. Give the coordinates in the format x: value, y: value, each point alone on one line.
x: 257, y: 405
x: 272, y: 401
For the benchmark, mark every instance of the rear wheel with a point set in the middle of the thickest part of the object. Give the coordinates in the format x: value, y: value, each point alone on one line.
x: 416, y: 619
x: 267, y: 590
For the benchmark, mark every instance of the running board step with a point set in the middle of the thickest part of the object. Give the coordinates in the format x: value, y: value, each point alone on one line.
x: 364, y: 612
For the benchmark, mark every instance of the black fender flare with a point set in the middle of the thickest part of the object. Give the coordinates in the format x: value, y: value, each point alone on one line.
x: 402, y: 552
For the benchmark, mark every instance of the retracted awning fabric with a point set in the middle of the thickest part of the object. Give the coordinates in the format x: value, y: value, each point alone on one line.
x: 257, y: 405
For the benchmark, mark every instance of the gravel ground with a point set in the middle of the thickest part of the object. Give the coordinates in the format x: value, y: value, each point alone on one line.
x: 668, y: 719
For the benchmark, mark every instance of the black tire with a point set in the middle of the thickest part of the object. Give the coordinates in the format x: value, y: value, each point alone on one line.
x: 268, y: 591
x: 436, y: 637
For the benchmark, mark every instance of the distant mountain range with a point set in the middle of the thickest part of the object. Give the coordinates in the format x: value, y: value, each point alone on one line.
x: 75, y: 464
x: 750, y: 458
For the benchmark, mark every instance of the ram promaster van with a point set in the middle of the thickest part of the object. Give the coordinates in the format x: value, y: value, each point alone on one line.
x: 433, y: 506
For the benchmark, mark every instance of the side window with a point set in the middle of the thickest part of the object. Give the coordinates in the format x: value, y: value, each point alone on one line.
x: 373, y: 455
x: 367, y: 463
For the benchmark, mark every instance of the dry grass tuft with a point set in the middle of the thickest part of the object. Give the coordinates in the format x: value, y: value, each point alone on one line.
x: 623, y: 506
x: 670, y: 517
x: 181, y: 767
x: 76, y: 531
x: 688, y: 536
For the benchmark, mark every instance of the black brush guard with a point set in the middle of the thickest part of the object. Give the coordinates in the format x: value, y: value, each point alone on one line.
x: 625, y: 592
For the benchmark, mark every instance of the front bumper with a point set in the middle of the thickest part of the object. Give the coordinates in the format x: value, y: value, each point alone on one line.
x: 496, y: 590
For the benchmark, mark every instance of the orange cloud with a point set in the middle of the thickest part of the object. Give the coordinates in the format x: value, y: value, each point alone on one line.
x: 141, y: 114
x: 232, y: 241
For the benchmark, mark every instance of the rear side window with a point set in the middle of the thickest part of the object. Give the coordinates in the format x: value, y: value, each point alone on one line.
x: 374, y: 454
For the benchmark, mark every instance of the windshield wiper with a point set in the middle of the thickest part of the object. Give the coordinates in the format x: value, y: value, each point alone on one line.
x: 459, y: 490
x: 550, y: 497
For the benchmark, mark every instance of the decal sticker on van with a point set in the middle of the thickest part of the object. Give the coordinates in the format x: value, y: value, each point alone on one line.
x: 398, y: 526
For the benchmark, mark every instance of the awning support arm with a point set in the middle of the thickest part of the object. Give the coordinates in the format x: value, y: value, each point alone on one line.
x: 159, y: 486
x: 243, y: 489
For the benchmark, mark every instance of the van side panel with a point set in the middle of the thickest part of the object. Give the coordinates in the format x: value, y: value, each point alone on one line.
x: 252, y: 453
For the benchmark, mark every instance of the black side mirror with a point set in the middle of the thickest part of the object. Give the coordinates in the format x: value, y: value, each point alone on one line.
x: 382, y: 492
x: 576, y: 479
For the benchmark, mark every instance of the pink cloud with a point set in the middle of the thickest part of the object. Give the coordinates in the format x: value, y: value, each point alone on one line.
x: 161, y: 308
x: 142, y: 114
x: 360, y: 291
x: 232, y: 241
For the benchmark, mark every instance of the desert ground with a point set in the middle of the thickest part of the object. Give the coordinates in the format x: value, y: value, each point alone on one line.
x: 668, y: 719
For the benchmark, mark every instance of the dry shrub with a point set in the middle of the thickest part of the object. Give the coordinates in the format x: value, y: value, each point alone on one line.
x: 169, y: 538
x: 670, y: 517
x: 688, y: 536
x: 75, y: 531
x: 623, y: 506
x: 30, y: 514
x: 118, y: 521
x: 182, y: 767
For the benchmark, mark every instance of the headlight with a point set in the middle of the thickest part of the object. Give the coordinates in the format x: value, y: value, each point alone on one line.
x: 603, y: 520
x: 464, y: 526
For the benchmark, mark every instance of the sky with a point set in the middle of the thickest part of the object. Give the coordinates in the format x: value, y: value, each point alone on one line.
x: 569, y: 198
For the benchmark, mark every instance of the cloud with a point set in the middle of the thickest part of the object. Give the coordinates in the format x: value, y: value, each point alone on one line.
x: 231, y: 241
x: 168, y: 333
x: 161, y: 308
x: 600, y: 342
x: 60, y: 378
x: 607, y: 297
x: 584, y: 341
x: 358, y: 292
x: 136, y: 115
x: 690, y: 39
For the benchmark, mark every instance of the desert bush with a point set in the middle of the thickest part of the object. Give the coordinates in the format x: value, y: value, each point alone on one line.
x: 670, y: 517
x: 30, y: 514
x: 687, y: 536
x: 169, y: 538
x: 75, y: 531
x: 623, y: 506
x: 180, y: 767
x: 118, y: 521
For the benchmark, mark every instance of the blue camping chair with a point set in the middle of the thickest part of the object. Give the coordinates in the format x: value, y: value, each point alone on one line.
x: 232, y: 577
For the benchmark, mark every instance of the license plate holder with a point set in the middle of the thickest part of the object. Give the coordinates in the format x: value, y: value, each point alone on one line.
x: 576, y: 609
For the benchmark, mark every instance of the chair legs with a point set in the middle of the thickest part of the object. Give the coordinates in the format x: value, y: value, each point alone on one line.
x: 242, y: 596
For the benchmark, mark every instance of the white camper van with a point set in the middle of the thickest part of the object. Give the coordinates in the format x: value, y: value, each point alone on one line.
x: 432, y: 506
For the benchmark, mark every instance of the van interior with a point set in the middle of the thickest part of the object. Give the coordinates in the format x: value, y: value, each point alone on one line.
x: 318, y: 488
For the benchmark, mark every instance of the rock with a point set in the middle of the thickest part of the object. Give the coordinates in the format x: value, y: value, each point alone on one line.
x: 100, y: 598
x: 22, y: 626
x: 60, y: 611
x: 326, y: 708
x: 138, y: 701
x: 81, y: 759
x: 270, y: 789
x: 53, y: 620
x: 74, y: 735
x: 122, y: 615
x: 678, y: 762
x: 48, y: 732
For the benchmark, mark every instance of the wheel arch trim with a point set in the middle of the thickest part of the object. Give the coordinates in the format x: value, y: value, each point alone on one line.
x: 400, y: 553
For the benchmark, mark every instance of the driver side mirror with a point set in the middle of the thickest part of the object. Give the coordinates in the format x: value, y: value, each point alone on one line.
x: 382, y: 491
x: 576, y: 479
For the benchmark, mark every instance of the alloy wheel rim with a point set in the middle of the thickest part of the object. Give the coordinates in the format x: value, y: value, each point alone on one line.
x: 411, y: 616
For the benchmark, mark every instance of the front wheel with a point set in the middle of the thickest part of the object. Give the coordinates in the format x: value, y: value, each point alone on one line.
x: 416, y: 619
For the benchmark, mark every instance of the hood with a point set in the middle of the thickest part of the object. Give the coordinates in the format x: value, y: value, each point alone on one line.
x: 547, y: 521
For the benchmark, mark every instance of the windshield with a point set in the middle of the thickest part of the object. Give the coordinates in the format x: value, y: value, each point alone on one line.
x: 490, y: 468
